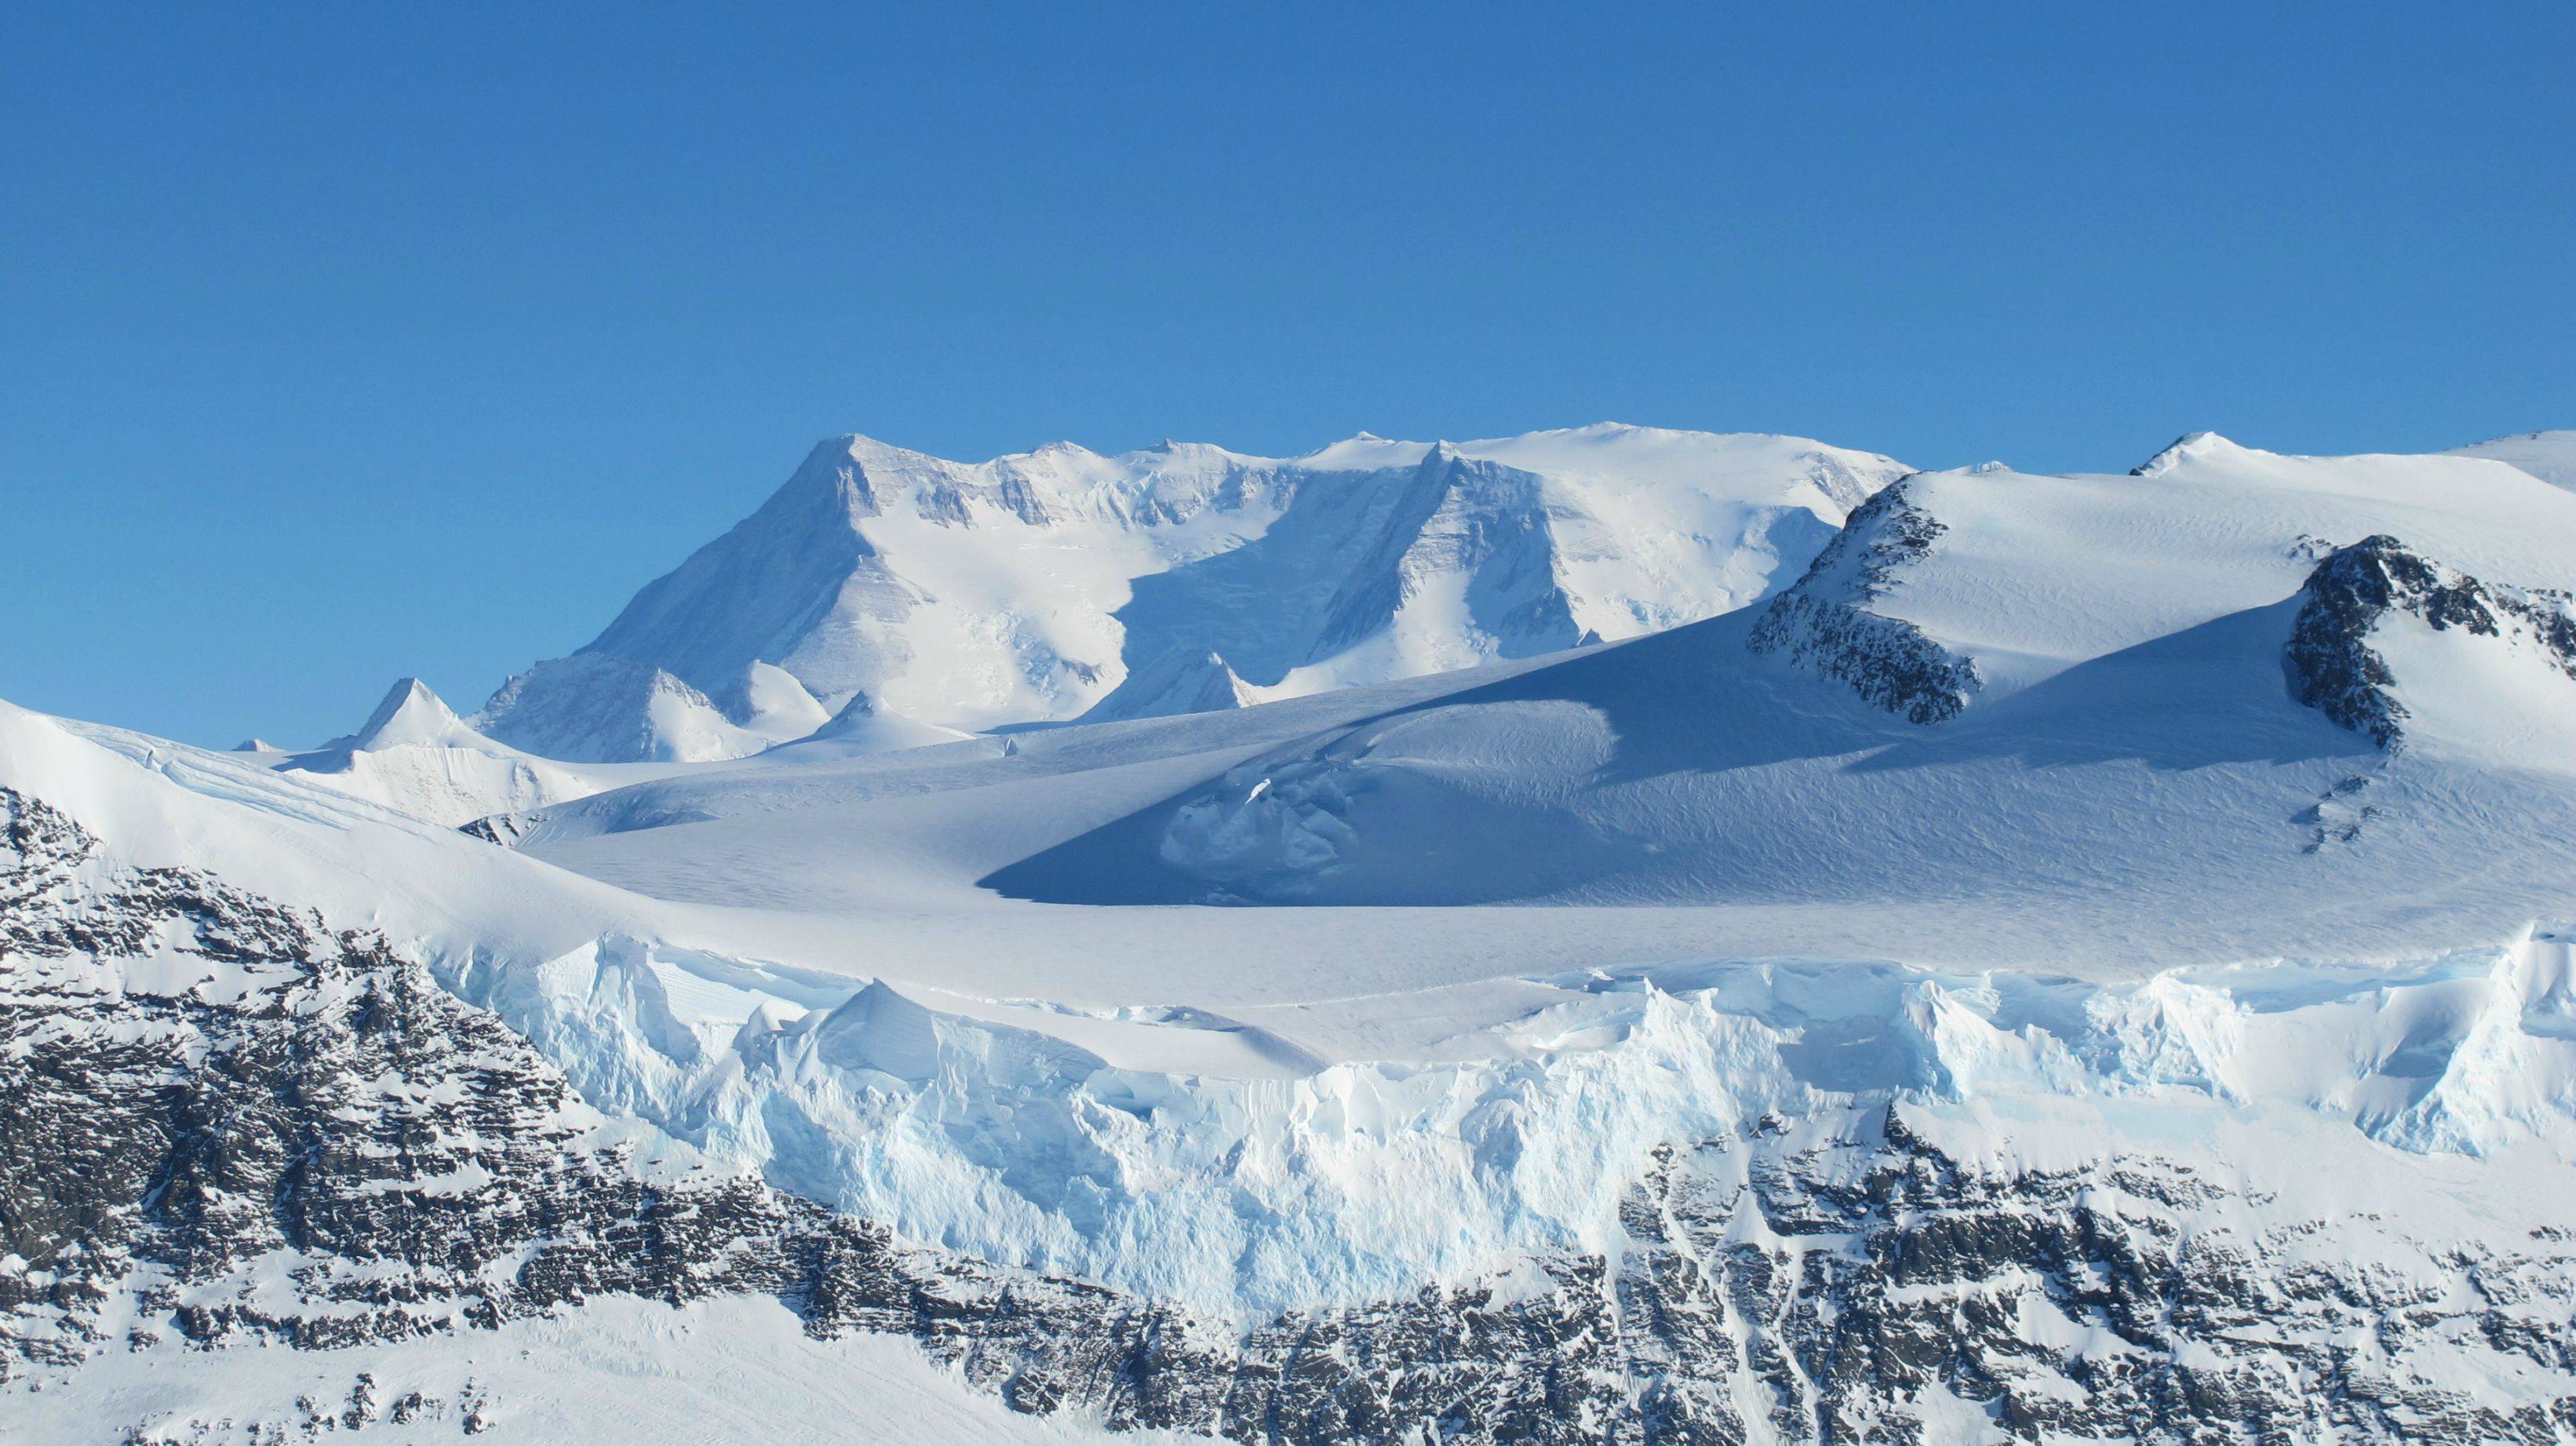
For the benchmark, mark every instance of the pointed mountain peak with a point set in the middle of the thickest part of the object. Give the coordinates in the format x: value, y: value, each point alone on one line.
x: 410, y: 713
x: 256, y: 745
x: 1188, y: 678
x: 882, y: 1030
x: 2191, y: 446
x: 862, y: 447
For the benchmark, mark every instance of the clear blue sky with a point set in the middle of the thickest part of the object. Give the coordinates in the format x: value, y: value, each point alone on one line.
x: 339, y: 342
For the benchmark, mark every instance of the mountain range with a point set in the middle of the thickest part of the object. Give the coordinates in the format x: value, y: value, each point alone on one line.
x: 1061, y: 583
x: 1602, y: 935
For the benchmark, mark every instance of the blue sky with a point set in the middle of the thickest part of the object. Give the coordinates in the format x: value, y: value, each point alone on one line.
x: 340, y: 342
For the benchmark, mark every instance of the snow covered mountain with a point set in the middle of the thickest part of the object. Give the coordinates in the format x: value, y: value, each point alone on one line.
x: 1061, y: 582
x: 2076, y: 958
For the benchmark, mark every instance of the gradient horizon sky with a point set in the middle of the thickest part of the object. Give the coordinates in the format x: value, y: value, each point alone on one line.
x: 339, y: 343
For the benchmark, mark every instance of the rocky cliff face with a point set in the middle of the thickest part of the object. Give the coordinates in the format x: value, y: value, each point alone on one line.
x: 2334, y: 665
x: 1824, y: 622
x: 227, y: 1122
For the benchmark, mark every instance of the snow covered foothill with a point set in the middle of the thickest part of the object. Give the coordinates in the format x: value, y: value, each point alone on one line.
x: 413, y: 754
x: 2111, y: 722
x: 286, y: 834
x: 1035, y: 587
x: 593, y: 707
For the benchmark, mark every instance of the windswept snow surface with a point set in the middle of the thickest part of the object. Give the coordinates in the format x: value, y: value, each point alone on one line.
x: 1028, y: 588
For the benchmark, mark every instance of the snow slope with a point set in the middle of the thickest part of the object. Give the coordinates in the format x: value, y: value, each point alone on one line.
x: 654, y: 1374
x: 1029, y: 587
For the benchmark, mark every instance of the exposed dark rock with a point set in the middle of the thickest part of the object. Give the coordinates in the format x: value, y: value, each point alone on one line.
x: 2334, y: 669
x: 1822, y: 621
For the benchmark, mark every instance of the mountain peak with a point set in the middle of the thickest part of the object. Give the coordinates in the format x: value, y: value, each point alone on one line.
x: 1184, y: 679
x: 2190, y: 446
x: 410, y: 713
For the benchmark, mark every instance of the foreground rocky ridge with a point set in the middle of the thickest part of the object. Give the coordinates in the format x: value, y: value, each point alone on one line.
x: 1824, y: 623
x: 232, y: 1123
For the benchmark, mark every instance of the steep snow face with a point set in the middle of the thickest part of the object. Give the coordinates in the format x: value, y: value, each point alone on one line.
x: 409, y: 714
x: 1179, y: 681
x: 596, y: 708
x: 1029, y: 588
x: 1260, y: 1179
x: 415, y: 755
